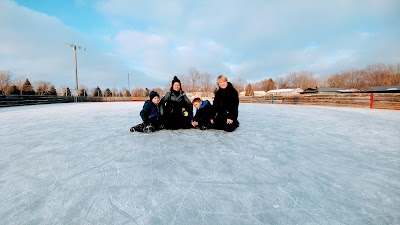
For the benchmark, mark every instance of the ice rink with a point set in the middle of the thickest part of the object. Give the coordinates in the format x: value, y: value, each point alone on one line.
x: 77, y: 163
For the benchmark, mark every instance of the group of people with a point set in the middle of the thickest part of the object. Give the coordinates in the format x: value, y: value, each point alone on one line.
x: 175, y: 110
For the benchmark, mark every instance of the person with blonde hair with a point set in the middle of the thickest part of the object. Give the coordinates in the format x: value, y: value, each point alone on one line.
x: 226, y: 104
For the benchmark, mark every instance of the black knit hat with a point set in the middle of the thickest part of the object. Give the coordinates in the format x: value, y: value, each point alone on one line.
x: 175, y: 80
x: 153, y: 94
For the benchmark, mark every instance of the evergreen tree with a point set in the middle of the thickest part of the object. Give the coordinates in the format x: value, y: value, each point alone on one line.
x: 249, y: 91
x: 83, y: 92
x: 127, y: 93
x: 97, y: 92
x: 27, y: 88
x: 107, y: 93
x: 14, y: 90
x: 68, y: 92
x: 52, y: 91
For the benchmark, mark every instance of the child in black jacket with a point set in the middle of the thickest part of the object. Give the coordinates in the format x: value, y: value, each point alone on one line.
x: 203, y: 114
x: 150, y: 115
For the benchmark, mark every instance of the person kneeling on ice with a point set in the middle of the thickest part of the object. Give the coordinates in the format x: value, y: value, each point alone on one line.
x: 225, y: 106
x: 202, y: 118
x: 150, y: 115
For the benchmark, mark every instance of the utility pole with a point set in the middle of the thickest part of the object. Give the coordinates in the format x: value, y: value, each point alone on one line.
x: 74, y: 47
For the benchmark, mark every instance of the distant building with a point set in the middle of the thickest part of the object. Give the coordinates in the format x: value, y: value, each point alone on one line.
x: 383, y: 89
x: 328, y: 91
x: 260, y: 93
x: 310, y: 91
x: 279, y: 92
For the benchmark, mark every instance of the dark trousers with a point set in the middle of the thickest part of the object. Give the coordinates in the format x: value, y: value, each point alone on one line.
x: 220, y: 124
x: 141, y: 127
x: 176, y: 121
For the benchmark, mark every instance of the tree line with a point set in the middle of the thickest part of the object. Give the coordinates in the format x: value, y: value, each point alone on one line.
x: 196, y: 81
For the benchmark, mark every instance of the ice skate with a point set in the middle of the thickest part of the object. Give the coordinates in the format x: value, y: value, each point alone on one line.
x: 148, y: 129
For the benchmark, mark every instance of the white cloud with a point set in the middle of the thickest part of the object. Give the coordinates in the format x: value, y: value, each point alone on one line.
x: 32, y: 46
x: 154, y: 40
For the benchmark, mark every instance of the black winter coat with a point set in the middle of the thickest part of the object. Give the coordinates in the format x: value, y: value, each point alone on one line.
x: 226, y: 103
x: 204, y: 114
x: 150, y: 112
x: 177, y: 102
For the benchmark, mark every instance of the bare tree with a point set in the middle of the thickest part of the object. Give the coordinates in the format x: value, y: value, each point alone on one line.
x: 63, y: 90
x: 138, y: 92
x: 5, y: 82
x: 42, y: 87
x: 193, y: 79
x: 323, y: 80
x: 164, y: 90
x: 267, y: 84
x: 205, y: 82
x: 125, y: 92
x: 302, y: 79
x: 158, y: 90
x: 256, y: 86
x: 281, y: 83
x: 335, y: 81
x: 239, y: 84
x: 371, y: 76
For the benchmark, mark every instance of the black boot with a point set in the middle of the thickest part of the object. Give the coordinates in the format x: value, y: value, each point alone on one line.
x: 137, y: 128
x: 148, y: 129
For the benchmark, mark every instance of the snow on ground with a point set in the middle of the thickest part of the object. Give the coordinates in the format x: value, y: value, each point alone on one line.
x: 77, y: 163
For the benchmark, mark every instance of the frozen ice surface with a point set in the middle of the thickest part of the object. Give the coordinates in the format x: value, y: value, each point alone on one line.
x: 78, y: 163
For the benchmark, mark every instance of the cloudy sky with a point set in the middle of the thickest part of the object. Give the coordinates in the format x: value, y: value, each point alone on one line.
x: 153, y: 40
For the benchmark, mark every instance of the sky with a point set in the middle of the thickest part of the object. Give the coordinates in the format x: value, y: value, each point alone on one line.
x: 77, y: 163
x: 154, y: 40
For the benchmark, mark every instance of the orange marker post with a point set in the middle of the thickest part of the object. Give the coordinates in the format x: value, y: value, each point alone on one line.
x: 371, y: 101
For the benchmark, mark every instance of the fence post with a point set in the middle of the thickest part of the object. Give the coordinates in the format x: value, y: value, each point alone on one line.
x: 371, y: 100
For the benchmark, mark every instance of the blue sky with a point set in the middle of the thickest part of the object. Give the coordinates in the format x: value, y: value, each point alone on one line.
x: 155, y: 40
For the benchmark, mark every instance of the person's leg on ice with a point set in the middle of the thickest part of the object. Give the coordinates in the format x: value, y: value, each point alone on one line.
x: 138, y: 128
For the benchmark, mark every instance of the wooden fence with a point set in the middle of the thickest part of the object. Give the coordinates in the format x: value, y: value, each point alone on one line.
x: 364, y: 100
x: 20, y: 100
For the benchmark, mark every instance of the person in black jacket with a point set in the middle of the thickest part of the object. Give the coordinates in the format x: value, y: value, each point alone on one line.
x: 226, y: 104
x: 150, y: 115
x: 175, y: 107
x: 203, y: 116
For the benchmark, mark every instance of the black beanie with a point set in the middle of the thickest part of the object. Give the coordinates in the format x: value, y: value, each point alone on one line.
x: 153, y: 94
x: 176, y: 80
